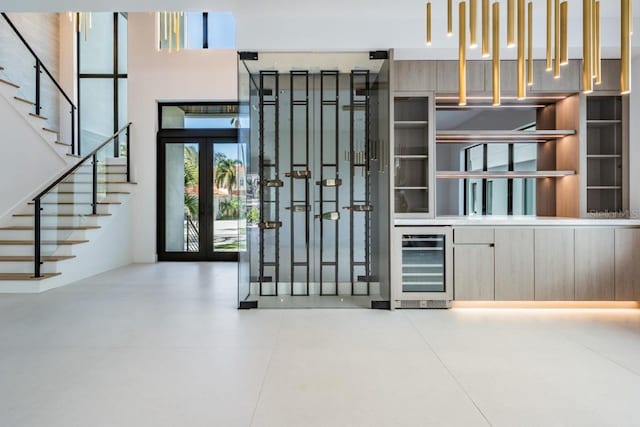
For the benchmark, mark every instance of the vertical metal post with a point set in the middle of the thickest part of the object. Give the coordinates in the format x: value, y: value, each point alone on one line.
x: 128, y: 153
x: 94, y: 192
x: 36, y: 238
x: 38, y: 86
x: 73, y: 129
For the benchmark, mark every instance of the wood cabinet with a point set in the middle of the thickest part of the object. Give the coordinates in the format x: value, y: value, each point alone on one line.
x: 514, y: 264
x: 473, y: 272
x: 594, y: 264
x: 627, y: 264
x: 554, y: 266
x: 545, y: 82
x: 414, y: 76
x: 447, y: 72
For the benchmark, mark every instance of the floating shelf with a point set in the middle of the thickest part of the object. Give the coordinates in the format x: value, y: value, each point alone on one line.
x: 411, y: 188
x: 604, y: 156
x: 409, y: 124
x: 505, y: 136
x: 502, y: 174
x: 411, y: 156
x: 598, y: 123
x: 604, y: 187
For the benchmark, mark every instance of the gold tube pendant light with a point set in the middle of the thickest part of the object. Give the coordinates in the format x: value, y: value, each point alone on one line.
x: 170, y: 31
x: 462, y: 54
x: 625, y: 46
x: 530, y: 43
x: 587, y: 74
x: 597, y: 47
x: 522, y: 90
x: 486, y: 41
x: 549, y: 36
x: 428, y: 23
x: 496, y: 53
x: 473, y: 24
x: 449, y: 18
x: 511, y: 29
x: 158, y: 42
x: 564, y: 41
x: 166, y: 26
x: 557, y: 39
x: 177, y: 32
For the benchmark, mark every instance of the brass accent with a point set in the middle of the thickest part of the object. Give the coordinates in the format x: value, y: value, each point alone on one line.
x: 166, y: 26
x: 522, y: 90
x: 557, y: 39
x: 564, y: 42
x: 298, y: 208
x: 330, y: 182
x: 597, y: 48
x: 473, y: 24
x: 177, y: 32
x: 328, y: 216
x: 511, y: 28
x: 462, y: 54
x: 496, y: 53
x: 486, y: 41
x: 358, y: 208
x: 270, y: 225
x: 549, y: 36
x: 428, y: 24
x: 272, y: 183
x: 587, y: 75
x: 625, y: 47
x: 449, y: 18
x: 530, y: 43
x: 298, y: 174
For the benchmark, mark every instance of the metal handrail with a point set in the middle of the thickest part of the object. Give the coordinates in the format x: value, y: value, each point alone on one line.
x: 38, y: 199
x: 39, y: 68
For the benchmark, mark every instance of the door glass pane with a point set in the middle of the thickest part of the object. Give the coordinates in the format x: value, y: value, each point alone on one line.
x: 182, y: 197
x: 229, y: 190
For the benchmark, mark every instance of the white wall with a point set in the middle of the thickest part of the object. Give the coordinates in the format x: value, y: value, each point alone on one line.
x: 188, y: 75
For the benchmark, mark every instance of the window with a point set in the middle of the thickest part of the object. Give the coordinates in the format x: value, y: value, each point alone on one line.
x: 102, y: 80
x: 197, y: 30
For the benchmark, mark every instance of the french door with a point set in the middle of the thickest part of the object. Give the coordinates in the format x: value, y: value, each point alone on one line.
x: 201, y: 187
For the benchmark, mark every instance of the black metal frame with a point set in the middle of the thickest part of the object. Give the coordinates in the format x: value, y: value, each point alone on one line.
x: 94, y: 193
x: 205, y: 137
x: 39, y: 69
x: 115, y: 75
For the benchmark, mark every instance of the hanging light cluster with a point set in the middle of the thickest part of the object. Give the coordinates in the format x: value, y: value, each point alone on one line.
x: 171, y: 27
x: 520, y: 36
x: 82, y: 22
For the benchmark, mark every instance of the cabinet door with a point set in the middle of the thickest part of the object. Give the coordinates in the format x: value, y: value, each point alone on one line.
x: 508, y: 76
x: 594, y: 264
x: 544, y: 81
x: 473, y: 272
x: 514, y: 264
x: 610, y: 76
x: 447, y: 72
x: 414, y: 76
x: 627, y: 269
x: 554, y: 264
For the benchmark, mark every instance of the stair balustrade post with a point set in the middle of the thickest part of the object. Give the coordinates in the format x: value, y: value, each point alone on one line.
x: 94, y: 204
x: 128, y: 140
x: 38, y: 66
x: 36, y: 238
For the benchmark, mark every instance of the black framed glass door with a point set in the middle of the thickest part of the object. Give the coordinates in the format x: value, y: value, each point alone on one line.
x: 200, y: 184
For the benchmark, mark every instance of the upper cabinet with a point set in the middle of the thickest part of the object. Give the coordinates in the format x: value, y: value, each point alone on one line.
x: 414, y: 76
x: 447, y: 72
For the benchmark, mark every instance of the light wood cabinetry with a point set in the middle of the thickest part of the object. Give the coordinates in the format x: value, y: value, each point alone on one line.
x: 594, y: 264
x: 514, y: 264
x: 473, y: 272
x: 627, y: 264
x: 554, y: 264
x: 414, y: 76
x: 473, y: 235
x: 447, y: 75
x: 545, y: 82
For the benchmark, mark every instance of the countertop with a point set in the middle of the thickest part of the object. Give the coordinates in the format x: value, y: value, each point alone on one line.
x: 478, y: 220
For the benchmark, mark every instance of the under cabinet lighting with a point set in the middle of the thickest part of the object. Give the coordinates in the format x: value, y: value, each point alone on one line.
x: 503, y: 174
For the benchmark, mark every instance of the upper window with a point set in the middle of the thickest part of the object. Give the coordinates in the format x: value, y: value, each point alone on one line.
x: 196, y: 30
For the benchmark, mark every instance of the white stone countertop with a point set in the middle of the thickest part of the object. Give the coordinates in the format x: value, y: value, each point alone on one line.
x: 498, y: 220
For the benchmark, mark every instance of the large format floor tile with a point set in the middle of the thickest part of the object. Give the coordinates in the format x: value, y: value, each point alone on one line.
x: 164, y: 345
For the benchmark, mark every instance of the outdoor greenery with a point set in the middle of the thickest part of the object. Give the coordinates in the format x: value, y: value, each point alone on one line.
x: 190, y: 179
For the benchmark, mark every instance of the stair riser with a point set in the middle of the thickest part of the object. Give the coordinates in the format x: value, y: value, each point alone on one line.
x: 88, y: 186
x: 27, y: 267
x: 56, y: 220
x: 68, y: 209
x: 27, y: 250
x: 81, y: 198
x: 46, y: 234
x: 78, y: 178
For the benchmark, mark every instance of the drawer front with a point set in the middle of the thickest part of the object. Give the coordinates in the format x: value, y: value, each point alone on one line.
x: 473, y: 235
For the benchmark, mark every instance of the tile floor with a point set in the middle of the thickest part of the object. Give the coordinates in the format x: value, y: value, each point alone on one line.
x: 163, y: 345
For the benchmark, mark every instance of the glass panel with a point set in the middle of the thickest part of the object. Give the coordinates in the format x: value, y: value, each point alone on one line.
x: 423, y: 263
x: 222, y: 30
x: 182, y: 197
x: 229, y: 190
x: 219, y: 116
x: 123, y: 31
x: 123, y: 116
x: 96, y: 100
x: 96, y: 50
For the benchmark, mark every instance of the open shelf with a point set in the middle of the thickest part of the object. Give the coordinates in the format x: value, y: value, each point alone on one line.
x: 498, y: 136
x: 503, y: 174
x: 411, y: 124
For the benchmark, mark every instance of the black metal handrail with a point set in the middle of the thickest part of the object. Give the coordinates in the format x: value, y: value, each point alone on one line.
x: 94, y: 193
x: 40, y: 67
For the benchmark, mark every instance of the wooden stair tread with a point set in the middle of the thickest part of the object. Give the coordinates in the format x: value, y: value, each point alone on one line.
x: 62, y: 143
x: 74, y: 155
x: 89, y: 192
x: 58, y: 227
x: 61, y: 214
x: 28, y: 258
x: 7, y: 82
x: 49, y: 130
x: 76, y: 203
x: 44, y: 242
x: 38, y: 116
x: 26, y: 101
x: 26, y: 276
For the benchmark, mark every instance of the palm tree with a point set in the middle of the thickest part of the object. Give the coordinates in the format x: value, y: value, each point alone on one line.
x: 225, y: 175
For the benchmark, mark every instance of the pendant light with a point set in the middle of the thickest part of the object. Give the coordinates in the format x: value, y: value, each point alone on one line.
x: 462, y: 54
x: 496, y: 53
